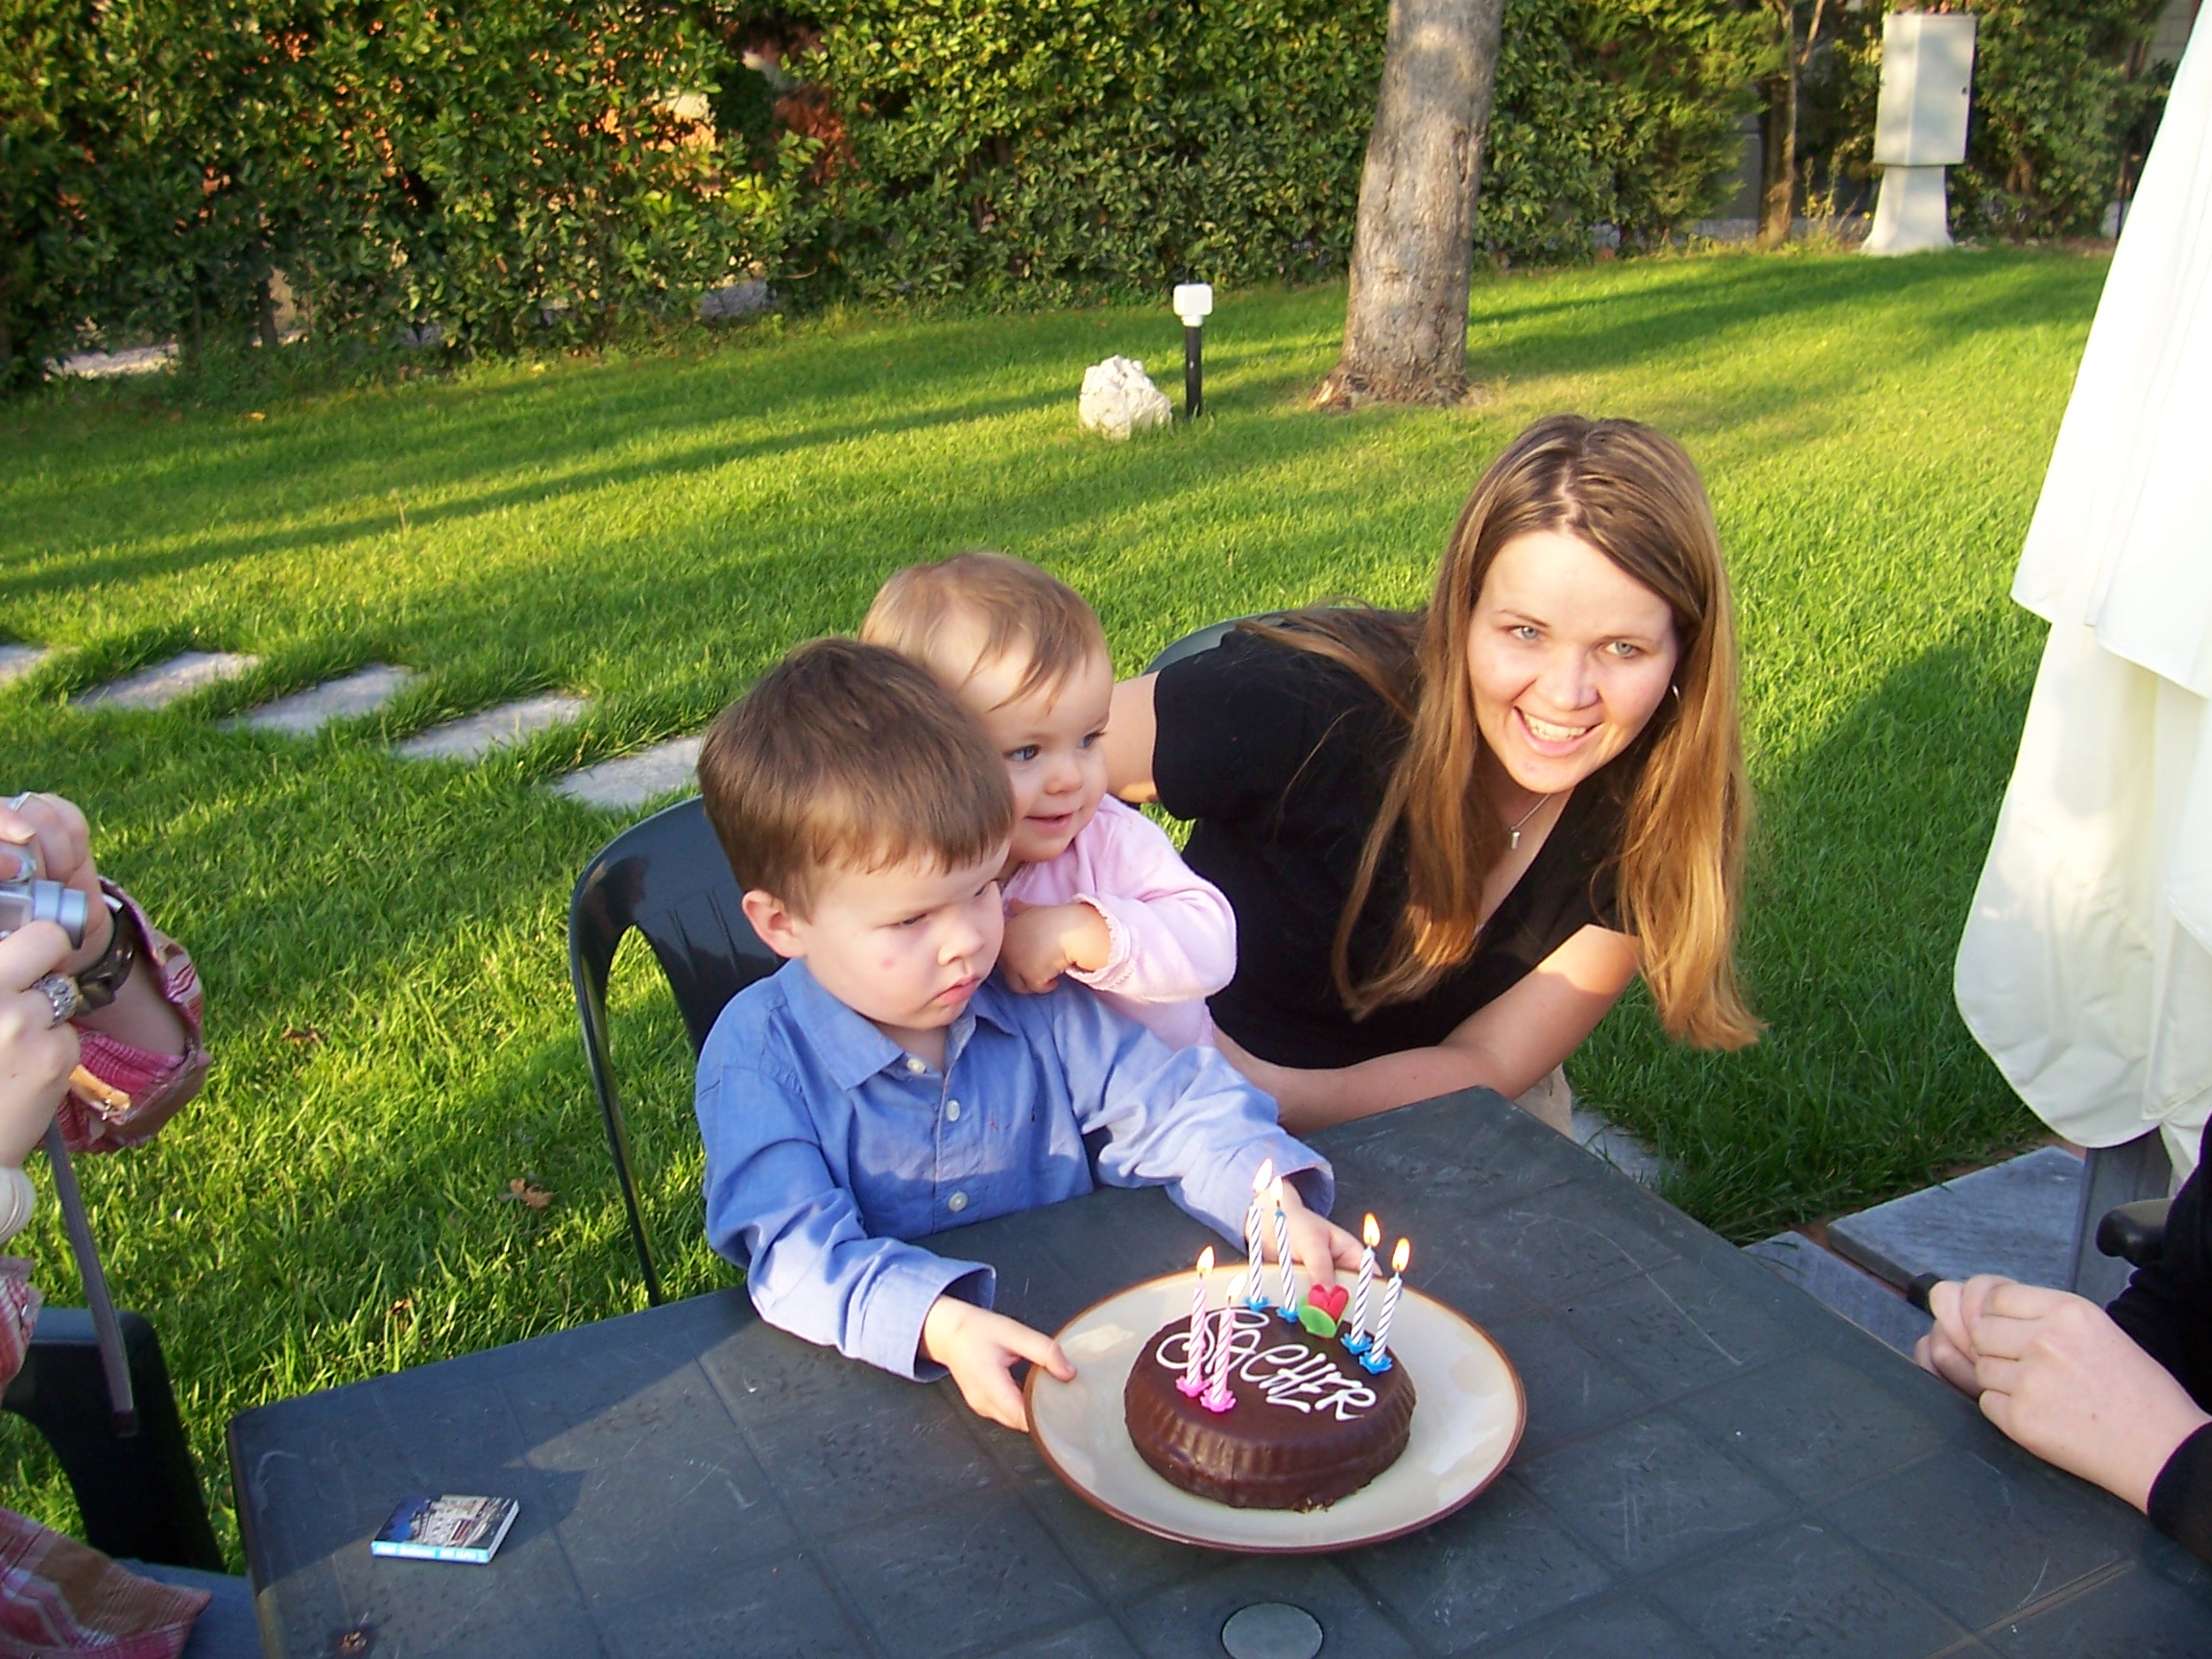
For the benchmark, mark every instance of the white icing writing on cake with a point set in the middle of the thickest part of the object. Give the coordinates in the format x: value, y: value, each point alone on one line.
x: 1288, y: 1373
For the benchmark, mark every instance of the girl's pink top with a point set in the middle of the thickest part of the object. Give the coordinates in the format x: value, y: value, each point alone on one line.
x: 1174, y: 937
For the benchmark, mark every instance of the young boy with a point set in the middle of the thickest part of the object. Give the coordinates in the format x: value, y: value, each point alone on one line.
x: 879, y: 1087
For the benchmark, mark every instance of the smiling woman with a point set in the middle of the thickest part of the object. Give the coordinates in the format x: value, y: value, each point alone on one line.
x: 1452, y: 838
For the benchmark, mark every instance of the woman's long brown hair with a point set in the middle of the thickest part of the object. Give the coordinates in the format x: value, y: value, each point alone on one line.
x: 1633, y: 495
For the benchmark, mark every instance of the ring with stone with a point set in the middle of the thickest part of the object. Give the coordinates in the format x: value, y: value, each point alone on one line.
x: 62, y: 992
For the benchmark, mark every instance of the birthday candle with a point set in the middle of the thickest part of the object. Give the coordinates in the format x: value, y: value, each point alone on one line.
x: 1283, y: 1260
x: 1191, y: 1381
x: 1217, y: 1397
x: 1381, y: 1351
x: 1254, y: 1222
x: 1370, y: 1236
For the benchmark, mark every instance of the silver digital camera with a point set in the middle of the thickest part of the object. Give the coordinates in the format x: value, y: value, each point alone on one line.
x: 31, y: 898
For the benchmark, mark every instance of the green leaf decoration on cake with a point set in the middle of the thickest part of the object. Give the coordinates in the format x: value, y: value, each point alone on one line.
x: 1317, y: 1321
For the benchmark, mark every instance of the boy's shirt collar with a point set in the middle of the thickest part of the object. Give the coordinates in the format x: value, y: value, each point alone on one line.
x: 854, y: 1050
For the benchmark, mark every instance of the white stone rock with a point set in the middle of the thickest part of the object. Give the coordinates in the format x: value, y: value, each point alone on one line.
x: 1119, y: 398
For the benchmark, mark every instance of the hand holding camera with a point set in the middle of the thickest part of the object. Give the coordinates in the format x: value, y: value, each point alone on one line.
x: 53, y: 879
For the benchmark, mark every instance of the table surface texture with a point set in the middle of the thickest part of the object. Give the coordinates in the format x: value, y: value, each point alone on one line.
x: 1714, y: 1465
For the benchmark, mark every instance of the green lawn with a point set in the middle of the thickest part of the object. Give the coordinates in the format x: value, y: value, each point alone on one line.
x: 383, y: 941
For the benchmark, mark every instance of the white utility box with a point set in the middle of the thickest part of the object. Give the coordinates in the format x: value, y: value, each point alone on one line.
x: 1920, y: 127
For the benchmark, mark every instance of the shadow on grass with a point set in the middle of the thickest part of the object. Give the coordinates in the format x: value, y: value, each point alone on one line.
x: 49, y: 576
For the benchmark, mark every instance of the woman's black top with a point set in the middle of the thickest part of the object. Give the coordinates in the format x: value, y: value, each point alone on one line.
x: 1282, y: 758
x: 2167, y: 1309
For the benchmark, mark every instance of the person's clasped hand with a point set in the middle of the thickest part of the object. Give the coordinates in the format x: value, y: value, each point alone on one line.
x: 2057, y: 1375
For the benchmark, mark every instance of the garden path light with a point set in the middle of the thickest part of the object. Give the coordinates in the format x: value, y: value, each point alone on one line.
x: 1193, y: 302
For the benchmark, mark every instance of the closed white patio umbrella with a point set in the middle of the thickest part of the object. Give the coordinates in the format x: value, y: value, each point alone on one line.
x: 2085, y: 969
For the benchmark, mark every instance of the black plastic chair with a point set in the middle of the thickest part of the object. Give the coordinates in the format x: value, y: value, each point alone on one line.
x: 667, y: 878
x: 2135, y: 1232
x: 138, y: 1493
x: 1203, y: 639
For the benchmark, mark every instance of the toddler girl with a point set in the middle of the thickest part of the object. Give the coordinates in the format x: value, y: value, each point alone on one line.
x: 1093, y: 888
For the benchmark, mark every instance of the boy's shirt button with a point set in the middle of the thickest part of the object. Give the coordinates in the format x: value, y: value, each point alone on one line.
x: 951, y: 1111
x: 956, y: 1203
x: 915, y: 1066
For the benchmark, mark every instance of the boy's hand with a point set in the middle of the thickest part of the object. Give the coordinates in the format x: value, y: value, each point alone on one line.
x: 1043, y: 941
x: 1318, y: 1244
x: 979, y: 1348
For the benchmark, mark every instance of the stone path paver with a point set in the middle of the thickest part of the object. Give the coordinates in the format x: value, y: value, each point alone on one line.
x: 2015, y: 1218
x: 161, y: 684
x: 18, y: 660
x: 1866, y: 1301
x: 632, y: 780
x: 473, y: 736
x: 1601, y: 1137
x: 305, y: 712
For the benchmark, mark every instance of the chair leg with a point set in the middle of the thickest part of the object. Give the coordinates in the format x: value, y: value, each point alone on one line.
x: 140, y: 1496
x: 2112, y: 1176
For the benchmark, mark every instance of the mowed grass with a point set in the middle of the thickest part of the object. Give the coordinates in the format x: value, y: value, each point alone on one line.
x: 383, y: 942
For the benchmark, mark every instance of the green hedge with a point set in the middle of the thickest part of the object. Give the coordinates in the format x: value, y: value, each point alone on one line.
x: 547, y: 170
x: 1060, y: 146
x: 498, y: 167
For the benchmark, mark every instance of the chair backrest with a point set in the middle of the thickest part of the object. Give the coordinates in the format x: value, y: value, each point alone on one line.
x: 1203, y: 639
x: 667, y: 878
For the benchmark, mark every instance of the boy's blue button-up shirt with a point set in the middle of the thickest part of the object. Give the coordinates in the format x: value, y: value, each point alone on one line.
x: 828, y: 1147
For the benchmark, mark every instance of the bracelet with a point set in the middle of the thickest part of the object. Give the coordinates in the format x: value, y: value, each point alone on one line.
x: 98, y: 984
x: 17, y: 1199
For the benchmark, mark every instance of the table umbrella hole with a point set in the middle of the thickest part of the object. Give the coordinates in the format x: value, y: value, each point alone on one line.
x: 1271, y: 1630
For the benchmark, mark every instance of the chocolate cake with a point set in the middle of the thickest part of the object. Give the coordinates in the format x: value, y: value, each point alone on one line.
x: 1309, y: 1424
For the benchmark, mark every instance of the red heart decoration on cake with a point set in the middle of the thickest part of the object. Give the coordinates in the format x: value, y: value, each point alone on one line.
x: 1330, y: 1299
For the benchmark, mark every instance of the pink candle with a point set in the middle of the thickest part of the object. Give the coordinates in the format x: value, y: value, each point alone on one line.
x: 1217, y: 1397
x: 1191, y: 1379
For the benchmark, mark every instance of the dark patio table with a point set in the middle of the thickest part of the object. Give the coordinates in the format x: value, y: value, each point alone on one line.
x: 1714, y: 1464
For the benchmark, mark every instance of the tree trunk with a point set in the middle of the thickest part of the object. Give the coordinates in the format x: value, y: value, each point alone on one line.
x: 1778, y: 144
x: 1406, y: 321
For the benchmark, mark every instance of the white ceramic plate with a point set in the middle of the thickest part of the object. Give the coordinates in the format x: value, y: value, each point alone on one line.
x: 1468, y: 1414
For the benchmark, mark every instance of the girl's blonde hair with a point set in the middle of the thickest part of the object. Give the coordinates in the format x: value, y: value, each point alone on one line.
x: 1633, y: 495
x: 964, y: 614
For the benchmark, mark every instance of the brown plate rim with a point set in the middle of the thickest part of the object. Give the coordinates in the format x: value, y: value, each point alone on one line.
x: 1045, y: 1452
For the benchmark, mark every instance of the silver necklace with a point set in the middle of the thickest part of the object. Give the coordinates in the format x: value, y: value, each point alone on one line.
x: 1513, y: 835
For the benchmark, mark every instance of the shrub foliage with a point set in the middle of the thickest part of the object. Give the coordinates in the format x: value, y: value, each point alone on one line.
x: 549, y: 170
x: 2064, y: 108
